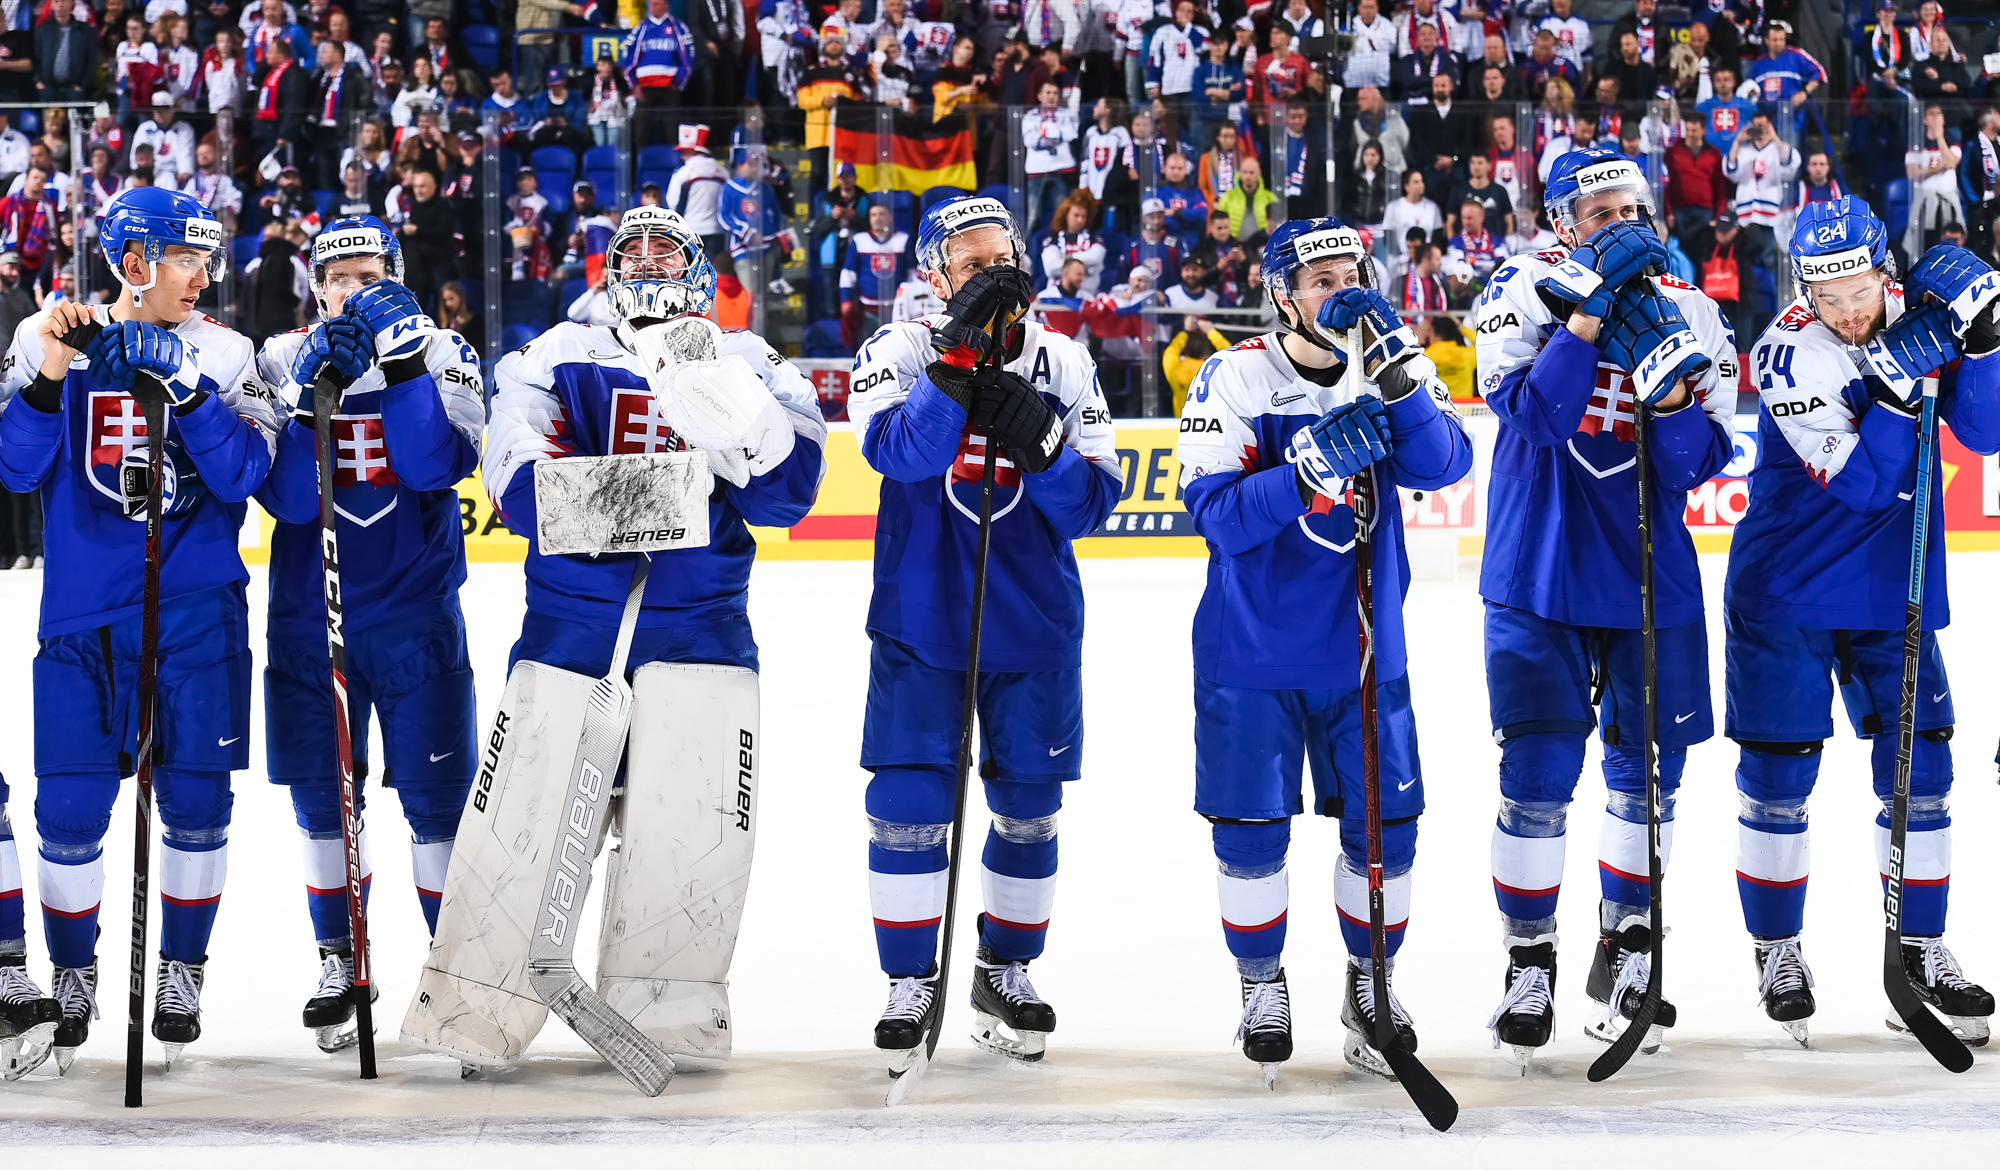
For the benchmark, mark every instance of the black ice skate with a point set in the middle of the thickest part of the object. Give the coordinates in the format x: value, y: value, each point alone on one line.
x: 1003, y: 1002
x: 1357, y: 1011
x: 75, y: 990
x: 1934, y: 973
x: 1526, y: 1017
x: 28, y: 1020
x: 330, y: 1011
x: 1785, y: 985
x: 1266, y: 1028
x: 1621, y: 969
x: 177, y: 1005
x: 913, y: 1004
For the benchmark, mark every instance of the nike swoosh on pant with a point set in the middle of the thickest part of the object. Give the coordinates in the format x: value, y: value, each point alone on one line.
x: 1058, y: 751
x: 1683, y: 718
x: 226, y: 742
x: 435, y: 759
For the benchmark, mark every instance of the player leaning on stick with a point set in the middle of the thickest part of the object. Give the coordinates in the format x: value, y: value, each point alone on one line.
x: 1817, y: 579
x: 406, y: 430
x: 929, y: 395
x: 663, y: 380
x: 1271, y: 437
x: 73, y: 431
x: 1569, y: 339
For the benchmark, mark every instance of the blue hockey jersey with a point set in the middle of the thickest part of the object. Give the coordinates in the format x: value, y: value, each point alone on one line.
x: 217, y: 455
x: 926, y: 530
x: 1826, y: 541
x: 576, y: 390
x: 398, y: 453
x: 1279, y: 610
x: 1562, y: 535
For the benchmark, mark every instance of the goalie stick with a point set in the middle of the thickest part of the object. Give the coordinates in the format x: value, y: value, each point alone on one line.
x: 586, y: 816
x: 1935, y: 1036
x: 326, y: 392
x: 1432, y: 1099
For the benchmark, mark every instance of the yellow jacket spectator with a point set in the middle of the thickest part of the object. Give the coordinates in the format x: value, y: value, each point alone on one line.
x: 831, y: 80
x: 1248, y: 202
x: 1456, y: 361
x: 1193, y: 345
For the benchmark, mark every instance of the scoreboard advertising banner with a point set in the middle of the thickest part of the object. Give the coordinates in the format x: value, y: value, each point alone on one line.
x: 1151, y: 521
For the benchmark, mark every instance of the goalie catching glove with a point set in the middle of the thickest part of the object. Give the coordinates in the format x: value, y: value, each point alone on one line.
x: 1005, y: 406
x: 716, y: 404
x: 1969, y: 288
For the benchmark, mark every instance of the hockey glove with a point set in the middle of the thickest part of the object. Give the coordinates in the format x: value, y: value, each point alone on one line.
x: 343, y: 346
x: 1342, y: 442
x: 1603, y: 264
x: 124, y: 350
x: 391, y: 312
x: 1968, y: 286
x: 1385, y: 341
x: 1917, y: 344
x: 1012, y: 414
x: 982, y: 314
x: 1647, y: 337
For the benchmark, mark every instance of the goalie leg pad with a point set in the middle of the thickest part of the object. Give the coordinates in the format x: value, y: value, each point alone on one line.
x: 687, y: 828
x: 473, y: 1000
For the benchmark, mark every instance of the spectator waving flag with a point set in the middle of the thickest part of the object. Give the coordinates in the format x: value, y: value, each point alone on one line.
x: 923, y: 153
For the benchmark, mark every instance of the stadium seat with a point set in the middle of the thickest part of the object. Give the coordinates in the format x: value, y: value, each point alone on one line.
x: 324, y: 201
x: 29, y: 122
x: 513, y: 337
x: 482, y: 44
x: 527, y: 302
x: 1035, y: 244
x: 659, y: 158
x: 601, y: 165
x: 823, y: 340
x: 1897, y: 196
x: 646, y: 176
x: 553, y: 158
x: 936, y: 195
x: 245, y: 249
x: 904, y: 205
x: 570, y: 291
x: 1000, y: 191
x: 600, y: 158
x: 606, y: 183
x: 510, y: 162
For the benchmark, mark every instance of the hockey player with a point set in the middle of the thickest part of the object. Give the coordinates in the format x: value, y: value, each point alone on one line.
x: 1817, y: 580
x: 929, y: 395
x: 1569, y: 340
x: 406, y: 430
x: 1270, y: 440
x: 74, y: 431
x: 674, y: 898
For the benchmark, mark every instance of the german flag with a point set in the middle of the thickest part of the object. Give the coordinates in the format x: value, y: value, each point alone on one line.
x: 924, y: 153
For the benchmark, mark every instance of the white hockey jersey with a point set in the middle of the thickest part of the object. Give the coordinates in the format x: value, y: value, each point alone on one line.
x: 1102, y: 150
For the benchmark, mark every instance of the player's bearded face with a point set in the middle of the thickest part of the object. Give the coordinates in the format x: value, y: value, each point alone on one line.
x: 1855, y: 307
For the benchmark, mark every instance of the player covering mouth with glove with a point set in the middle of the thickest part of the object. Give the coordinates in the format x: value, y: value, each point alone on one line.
x: 1272, y: 435
x: 1569, y: 340
x: 929, y: 396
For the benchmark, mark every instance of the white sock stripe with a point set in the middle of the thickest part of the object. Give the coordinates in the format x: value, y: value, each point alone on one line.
x: 1253, y: 902
x: 906, y: 897
x: 429, y: 862
x: 1926, y: 854
x: 1350, y: 893
x: 1772, y: 857
x: 1026, y: 901
x: 10, y: 868
x: 71, y: 889
x: 326, y: 861
x: 1528, y: 863
x: 1622, y: 846
x: 192, y: 877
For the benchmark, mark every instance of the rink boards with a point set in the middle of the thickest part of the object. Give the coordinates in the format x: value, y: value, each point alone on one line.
x: 1151, y: 521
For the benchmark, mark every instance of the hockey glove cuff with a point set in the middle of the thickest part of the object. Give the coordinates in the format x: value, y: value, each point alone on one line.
x: 958, y: 383
x: 1964, y: 282
x: 1919, y: 343
x: 1342, y: 442
x: 1012, y: 414
x: 1649, y: 339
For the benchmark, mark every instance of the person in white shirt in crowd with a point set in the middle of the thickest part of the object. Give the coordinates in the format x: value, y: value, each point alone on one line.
x: 1572, y: 33
x: 1428, y: 12
x: 180, y: 63
x: 593, y: 307
x: 695, y: 191
x: 1413, y: 210
x: 1298, y: 16
x: 213, y: 188
x: 1053, y: 22
x: 1532, y: 234
x: 1194, y: 294
x: 1932, y: 165
x: 915, y: 299
x: 1051, y: 310
x: 1132, y: 18
x: 222, y: 72
x: 1048, y: 130
x: 171, y: 140
x: 1376, y: 119
x: 895, y: 21
x: 1175, y: 54
x: 1762, y: 166
x: 1070, y: 238
x: 892, y: 76
x: 1105, y: 144
x: 13, y: 149
x: 39, y: 156
x: 1375, y: 38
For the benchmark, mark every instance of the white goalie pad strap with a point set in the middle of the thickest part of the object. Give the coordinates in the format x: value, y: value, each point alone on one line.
x: 687, y: 829
x: 473, y: 1000
x: 622, y: 503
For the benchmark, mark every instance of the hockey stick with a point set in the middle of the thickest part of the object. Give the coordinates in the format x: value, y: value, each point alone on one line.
x: 586, y: 816
x: 1935, y: 1036
x: 900, y: 1088
x: 326, y: 393
x: 1637, y: 1027
x: 1432, y: 1099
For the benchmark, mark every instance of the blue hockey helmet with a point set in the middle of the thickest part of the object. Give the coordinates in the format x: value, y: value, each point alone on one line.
x: 1594, y: 170
x: 157, y: 219
x: 656, y: 267
x: 351, y: 236
x: 1838, y: 238
x: 1297, y: 245
x: 956, y: 216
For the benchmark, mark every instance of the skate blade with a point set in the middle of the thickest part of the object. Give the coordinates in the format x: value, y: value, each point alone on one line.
x: 1799, y: 1030
x: 1520, y: 1055
x: 1270, y: 1071
x: 906, y: 1079
x: 64, y: 1058
x: 1364, y: 1058
x: 1972, y: 1031
x: 173, y: 1052
x: 1607, y: 1031
x: 991, y: 1034
x: 24, y: 1053
x: 337, y: 1038
x: 470, y: 1072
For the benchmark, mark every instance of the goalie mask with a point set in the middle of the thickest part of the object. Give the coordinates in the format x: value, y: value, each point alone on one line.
x: 347, y: 238
x: 655, y: 269
x: 1314, y: 258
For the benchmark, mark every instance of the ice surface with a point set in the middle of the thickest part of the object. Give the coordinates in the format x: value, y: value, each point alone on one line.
x: 1142, y: 1070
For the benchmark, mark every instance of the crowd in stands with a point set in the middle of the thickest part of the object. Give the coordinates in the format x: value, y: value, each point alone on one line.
x: 1159, y: 141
